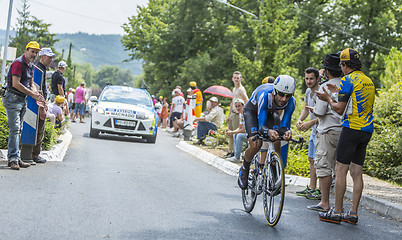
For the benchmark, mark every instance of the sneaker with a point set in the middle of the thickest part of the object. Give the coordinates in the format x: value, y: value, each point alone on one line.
x: 233, y: 159
x: 350, y: 218
x: 39, y: 159
x: 23, y: 164
x: 14, y: 165
x: 304, y: 191
x: 242, y: 181
x: 229, y: 155
x: 314, y: 194
x: 330, y: 216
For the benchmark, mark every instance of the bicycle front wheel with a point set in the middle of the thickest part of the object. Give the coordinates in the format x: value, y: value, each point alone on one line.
x: 274, y: 189
x: 249, y: 196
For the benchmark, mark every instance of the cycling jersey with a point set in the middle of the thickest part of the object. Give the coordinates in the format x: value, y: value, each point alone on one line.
x: 361, y: 89
x: 261, y: 101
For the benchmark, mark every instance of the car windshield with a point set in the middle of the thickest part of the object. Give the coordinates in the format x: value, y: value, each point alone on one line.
x: 127, y: 96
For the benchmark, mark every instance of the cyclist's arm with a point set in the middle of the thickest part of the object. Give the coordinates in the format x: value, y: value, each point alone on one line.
x: 262, y: 104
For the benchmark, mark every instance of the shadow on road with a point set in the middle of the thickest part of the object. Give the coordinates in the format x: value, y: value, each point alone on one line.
x: 110, y: 137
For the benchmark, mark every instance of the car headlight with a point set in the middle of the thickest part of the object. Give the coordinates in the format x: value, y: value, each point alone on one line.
x: 100, y: 110
x: 145, y: 116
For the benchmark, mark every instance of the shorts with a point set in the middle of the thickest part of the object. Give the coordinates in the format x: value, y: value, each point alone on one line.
x: 79, y: 108
x: 71, y: 106
x: 311, y: 145
x: 352, y: 146
x: 251, y: 121
x: 325, y: 156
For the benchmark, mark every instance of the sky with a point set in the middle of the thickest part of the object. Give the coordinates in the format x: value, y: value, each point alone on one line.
x: 72, y: 16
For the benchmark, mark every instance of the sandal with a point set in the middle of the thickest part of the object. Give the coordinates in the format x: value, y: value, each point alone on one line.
x: 331, y: 216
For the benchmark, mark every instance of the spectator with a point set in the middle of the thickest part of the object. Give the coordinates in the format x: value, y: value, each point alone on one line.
x: 213, y: 120
x: 164, y: 113
x: 239, y: 134
x: 239, y: 92
x: 311, y: 77
x: 58, y: 81
x: 46, y: 58
x: 177, y: 107
x: 181, y: 93
x: 55, y: 112
x: 154, y: 100
x: 268, y: 79
x: 80, y: 102
x: 71, y: 102
x: 179, y: 124
x: 328, y: 131
x: 198, y: 99
x: 355, y: 103
x: 19, y: 85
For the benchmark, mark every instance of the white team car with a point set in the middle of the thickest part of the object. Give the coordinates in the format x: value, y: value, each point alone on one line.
x: 125, y: 111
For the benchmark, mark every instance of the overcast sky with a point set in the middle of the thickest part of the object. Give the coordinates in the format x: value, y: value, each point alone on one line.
x: 71, y: 16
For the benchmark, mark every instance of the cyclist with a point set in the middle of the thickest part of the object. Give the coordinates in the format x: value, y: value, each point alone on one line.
x: 270, y: 105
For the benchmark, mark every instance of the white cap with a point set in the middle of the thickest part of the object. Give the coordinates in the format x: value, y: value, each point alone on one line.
x: 213, y: 99
x: 62, y: 64
x: 47, y: 52
x: 239, y: 100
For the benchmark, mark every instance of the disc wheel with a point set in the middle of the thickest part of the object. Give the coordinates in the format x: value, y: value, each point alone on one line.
x: 249, y: 196
x: 274, y: 189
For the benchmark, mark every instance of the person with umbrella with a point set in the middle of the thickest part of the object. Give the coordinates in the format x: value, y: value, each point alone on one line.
x: 233, y: 120
x: 198, y: 99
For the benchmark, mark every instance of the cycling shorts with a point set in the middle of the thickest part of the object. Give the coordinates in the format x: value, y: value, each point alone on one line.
x: 352, y: 146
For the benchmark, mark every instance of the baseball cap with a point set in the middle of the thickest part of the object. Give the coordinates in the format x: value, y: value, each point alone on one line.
x: 239, y: 100
x: 213, y: 99
x: 189, y: 90
x: 60, y: 99
x: 331, y: 62
x: 177, y: 90
x: 33, y: 44
x: 193, y: 84
x: 268, y: 79
x: 47, y: 52
x: 351, y: 55
x: 62, y: 64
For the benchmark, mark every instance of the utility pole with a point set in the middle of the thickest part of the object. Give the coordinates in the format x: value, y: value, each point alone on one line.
x: 3, y: 65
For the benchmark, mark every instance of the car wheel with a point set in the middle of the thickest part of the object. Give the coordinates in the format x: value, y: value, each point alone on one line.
x: 93, y: 133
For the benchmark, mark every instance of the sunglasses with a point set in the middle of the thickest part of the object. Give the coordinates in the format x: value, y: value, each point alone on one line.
x: 282, y: 94
x: 341, y: 64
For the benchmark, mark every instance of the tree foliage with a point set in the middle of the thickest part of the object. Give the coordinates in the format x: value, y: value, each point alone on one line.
x: 30, y: 28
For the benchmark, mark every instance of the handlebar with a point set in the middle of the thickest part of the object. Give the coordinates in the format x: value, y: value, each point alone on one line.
x: 265, y: 137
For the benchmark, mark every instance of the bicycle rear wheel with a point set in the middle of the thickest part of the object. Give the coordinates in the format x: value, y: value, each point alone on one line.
x: 249, y: 196
x: 274, y: 189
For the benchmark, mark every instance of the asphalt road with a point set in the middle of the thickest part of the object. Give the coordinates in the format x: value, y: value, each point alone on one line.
x: 122, y: 188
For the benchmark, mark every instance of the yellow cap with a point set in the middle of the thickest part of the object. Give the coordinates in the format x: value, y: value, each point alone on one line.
x: 268, y: 79
x: 349, y: 54
x: 193, y: 84
x: 60, y: 99
x: 34, y: 45
x: 160, y: 97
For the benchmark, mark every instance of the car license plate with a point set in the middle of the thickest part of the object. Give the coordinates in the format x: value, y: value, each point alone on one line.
x: 125, y: 123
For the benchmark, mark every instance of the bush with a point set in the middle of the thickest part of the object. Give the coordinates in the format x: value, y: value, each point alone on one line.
x: 3, y: 127
x: 298, y: 163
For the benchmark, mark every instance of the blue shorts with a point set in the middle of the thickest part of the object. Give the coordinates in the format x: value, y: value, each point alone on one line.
x: 79, y: 108
x: 311, y: 145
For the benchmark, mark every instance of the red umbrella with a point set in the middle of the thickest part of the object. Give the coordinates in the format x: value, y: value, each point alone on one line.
x: 220, y: 91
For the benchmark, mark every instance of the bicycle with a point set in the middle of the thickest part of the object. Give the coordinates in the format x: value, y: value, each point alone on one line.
x: 270, y: 181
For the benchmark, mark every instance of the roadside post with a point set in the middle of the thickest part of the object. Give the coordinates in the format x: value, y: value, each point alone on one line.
x: 188, y: 124
x: 30, y: 124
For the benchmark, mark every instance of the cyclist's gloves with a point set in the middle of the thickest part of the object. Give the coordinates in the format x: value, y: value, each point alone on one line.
x: 265, y: 130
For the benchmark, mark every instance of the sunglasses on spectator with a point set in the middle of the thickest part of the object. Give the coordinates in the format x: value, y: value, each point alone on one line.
x: 282, y: 94
x: 341, y: 64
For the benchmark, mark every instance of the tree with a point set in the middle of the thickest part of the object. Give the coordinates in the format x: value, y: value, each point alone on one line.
x: 30, y: 28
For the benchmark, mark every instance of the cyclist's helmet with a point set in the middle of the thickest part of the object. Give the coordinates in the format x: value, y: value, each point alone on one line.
x: 285, y: 84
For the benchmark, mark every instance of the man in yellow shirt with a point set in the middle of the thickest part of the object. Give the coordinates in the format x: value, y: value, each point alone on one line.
x: 198, y: 99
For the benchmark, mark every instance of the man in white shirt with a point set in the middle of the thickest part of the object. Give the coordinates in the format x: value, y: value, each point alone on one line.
x: 177, y: 107
x: 213, y: 120
x: 328, y: 131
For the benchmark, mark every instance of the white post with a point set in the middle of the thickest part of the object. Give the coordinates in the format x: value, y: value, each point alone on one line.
x: 3, y: 65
